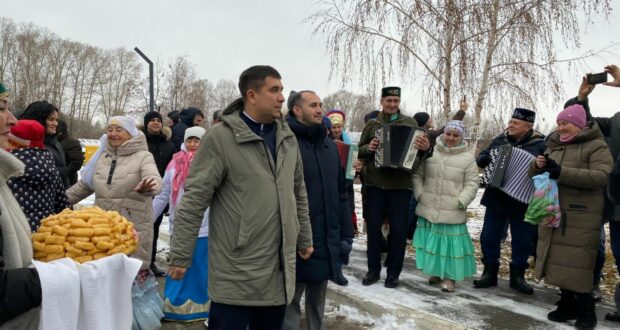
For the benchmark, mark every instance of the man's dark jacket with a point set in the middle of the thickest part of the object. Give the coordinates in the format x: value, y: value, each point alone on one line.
x: 161, y: 148
x: 327, y: 201
x: 187, y: 120
x: 494, y: 199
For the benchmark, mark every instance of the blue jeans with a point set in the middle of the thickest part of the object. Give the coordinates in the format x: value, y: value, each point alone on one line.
x: 522, y: 244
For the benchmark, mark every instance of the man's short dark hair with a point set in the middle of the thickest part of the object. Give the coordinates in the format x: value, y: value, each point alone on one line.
x: 295, y: 99
x: 174, y: 115
x: 216, y: 115
x: 254, y: 78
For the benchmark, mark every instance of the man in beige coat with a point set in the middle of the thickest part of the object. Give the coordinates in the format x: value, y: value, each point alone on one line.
x: 249, y: 172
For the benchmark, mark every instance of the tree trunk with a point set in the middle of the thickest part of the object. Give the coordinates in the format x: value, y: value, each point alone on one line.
x: 486, y: 71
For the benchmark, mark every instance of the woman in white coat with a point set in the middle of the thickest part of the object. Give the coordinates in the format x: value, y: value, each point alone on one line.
x: 444, y: 185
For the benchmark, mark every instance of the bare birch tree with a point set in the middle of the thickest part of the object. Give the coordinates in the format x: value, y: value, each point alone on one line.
x: 355, y: 106
x: 500, y: 52
x: 179, y: 77
x: 117, y: 80
x: 90, y: 84
x: 224, y: 93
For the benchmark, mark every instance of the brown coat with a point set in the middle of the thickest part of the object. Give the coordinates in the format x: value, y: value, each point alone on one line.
x: 133, y: 163
x: 565, y: 256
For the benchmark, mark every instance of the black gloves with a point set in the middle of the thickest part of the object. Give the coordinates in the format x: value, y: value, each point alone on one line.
x: 553, y: 168
x: 483, y: 161
x: 346, y: 245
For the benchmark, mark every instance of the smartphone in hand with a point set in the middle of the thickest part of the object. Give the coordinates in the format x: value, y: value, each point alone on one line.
x: 596, y: 78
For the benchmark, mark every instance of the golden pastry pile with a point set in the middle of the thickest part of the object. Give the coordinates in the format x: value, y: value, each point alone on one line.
x: 85, y: 235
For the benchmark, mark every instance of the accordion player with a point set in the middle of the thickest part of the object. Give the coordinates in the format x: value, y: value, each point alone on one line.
x: 508, y: 172
x: 397, y: 147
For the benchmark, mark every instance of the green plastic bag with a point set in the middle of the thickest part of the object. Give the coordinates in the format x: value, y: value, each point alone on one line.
x: 545, y: 204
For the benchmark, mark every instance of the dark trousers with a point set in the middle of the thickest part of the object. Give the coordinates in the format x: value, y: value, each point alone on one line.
x: 600, y: 258
x: 394, y: 204
x: 614, y: 239
x: 522, y: 238
x: 156, y: 234
x: 413, y: 219
x: 231, y: 317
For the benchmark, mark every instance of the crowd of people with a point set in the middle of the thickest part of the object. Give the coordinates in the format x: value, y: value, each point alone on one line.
x: 262, y: 213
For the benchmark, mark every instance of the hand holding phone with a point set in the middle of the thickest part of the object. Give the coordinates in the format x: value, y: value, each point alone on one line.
x: 614, y: 71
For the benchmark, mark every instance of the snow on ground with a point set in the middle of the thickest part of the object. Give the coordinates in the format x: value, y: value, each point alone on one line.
x: 415, y: 304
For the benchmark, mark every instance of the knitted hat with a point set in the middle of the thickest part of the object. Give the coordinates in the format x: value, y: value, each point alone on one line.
x: 455, y: 125
x: 524, y: 114
x: 336, y: 117
x: 422, y: 118
x: 4, y: 93
x: 27, y: 133
x: 327, y: 123
x: 390, y: 91
x: 126, y: 123
x: 574, y: 114
x: 371, y: 115
x: 195, y: 131
x: 150, y: 116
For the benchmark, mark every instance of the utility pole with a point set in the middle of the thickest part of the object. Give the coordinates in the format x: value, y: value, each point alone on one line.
x: 151, y: 82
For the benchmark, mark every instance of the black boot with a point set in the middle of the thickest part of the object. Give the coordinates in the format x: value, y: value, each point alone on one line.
x: 517, y: 281
x: 488, y: 278
x: 615, y: 316
x: 371, y: 278
x: 567, y: 307
x: 586, y: 313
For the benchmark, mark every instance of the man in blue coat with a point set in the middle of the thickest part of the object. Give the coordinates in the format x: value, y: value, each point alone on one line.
x: 189, y: 117
x: 501, y: 208
x: 328, y: 205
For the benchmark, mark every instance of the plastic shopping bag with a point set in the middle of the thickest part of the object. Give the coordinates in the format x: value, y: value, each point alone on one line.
x: 545, y: 204
x: 147, y: 304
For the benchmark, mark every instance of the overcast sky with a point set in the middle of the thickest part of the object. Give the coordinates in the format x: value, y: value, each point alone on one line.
x: 222, y: 38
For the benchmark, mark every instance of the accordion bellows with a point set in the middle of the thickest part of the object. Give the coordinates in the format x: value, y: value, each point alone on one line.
x: 508, y: 172
x: 397, y: 146
x: 348, y: 156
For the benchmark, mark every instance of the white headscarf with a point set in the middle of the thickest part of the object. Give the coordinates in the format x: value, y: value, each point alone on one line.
x: 127, y: 124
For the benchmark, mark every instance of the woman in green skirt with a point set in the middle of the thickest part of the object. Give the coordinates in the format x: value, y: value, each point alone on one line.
x: 444, y: 185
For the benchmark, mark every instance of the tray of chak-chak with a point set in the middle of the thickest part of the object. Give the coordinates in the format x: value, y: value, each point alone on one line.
x: 84, y: 235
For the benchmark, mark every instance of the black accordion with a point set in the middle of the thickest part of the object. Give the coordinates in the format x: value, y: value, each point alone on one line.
x: 397, y: 146
x: 508, y: 172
